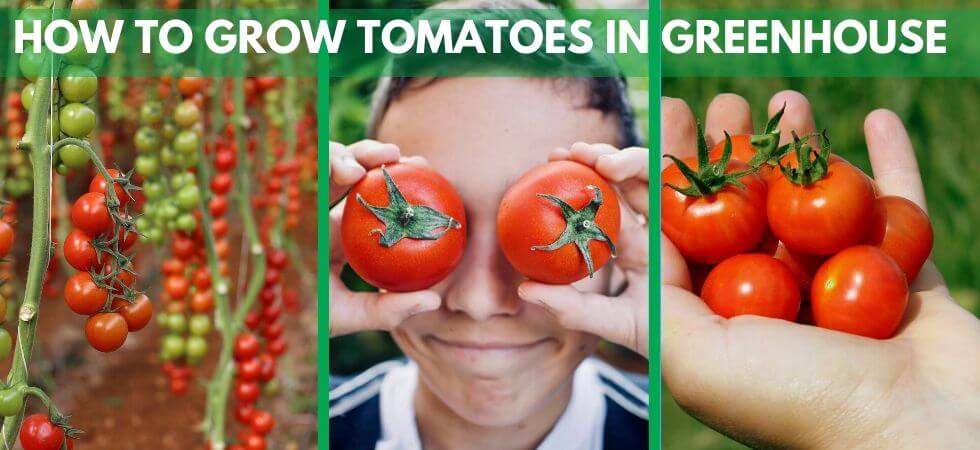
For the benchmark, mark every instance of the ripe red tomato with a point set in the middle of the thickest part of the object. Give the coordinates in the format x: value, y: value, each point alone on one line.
x: 554, y: 239
x: 243, y: 413
x: 802, y: 265
x: 79, y: 251
x: 423, y: 238
x: 752, y: 283
x: 90, y: 214
x: 218, y: 205
x: 247, y: 391
x: 99, y: 185
x: 106, y: 332
x: 862, y: 291
x: 248, y: 370
x: 262, y: 422
x: 901, y: 229
x: 136, y: 314
x: 183, y: 247
x: 709, y: 229
x: 826, y: 216
x: 176, y: 286
x: 268, y: 368
x: 6, y: 238
x: 251, y: 440
x: 246, y: 347
x: 39, y: 433
x: 83, y: 296
x: 221, y: 183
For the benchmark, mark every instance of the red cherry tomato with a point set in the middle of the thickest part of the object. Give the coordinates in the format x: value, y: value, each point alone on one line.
x: 90, y: 214
x: 79, y: 251
x: 246, y: 346
x: 39, y: 433
x: 901, y: 229
x: 99, y: 185
x: 826, y: 216
x: 106, y: 332
x: 526, y: 222
x: 83, y: 296
x: 408, y: 263
x: 862, y: 291
x: 6, y: 238
x: 752, y: 283
x: 136, y: 314
x: 711, y: 228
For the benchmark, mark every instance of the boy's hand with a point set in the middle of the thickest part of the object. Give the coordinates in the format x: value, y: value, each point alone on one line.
x: 359, y: 311
x: 624, y: 318
x: 773, y: 383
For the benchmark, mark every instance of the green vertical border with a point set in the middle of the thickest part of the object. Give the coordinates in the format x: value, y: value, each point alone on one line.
x: 323, y: 238
x: 654, y: 386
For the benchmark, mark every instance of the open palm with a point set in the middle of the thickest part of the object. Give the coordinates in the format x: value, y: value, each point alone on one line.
x: 769, y: 382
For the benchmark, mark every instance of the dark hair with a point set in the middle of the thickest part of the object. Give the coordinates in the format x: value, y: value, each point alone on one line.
x: 607, y: 94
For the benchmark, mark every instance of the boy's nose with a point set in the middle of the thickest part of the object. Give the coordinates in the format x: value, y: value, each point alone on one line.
x: 484, y: 284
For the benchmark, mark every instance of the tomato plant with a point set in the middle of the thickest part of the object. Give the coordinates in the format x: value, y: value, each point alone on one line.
x: 862, y: 291
x: 403, y: 228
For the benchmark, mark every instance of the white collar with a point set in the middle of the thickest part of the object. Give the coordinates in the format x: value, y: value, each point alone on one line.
x: 579, y: 427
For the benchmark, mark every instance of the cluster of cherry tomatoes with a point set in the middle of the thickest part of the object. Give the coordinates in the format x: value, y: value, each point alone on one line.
x: 102, y: 288
x: 794, y: 233
x: 253, y: 369
x: 6, y: 273
x: 17, y: 182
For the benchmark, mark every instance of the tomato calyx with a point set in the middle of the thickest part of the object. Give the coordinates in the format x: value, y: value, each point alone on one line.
x: 402, y: 219
x: 710, y: 176
x: 808, y: 171
x: 766, y: 144
x: 581, y: 228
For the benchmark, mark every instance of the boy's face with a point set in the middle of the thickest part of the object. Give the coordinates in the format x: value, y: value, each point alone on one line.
x: 491, y: 358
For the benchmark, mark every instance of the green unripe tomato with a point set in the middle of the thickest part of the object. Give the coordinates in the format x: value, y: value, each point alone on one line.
x: 73, y: 156
x: 147, y: 139
x: 11, y: 401
x: 187, y: 161
x: 188, y: 197
x: 148, y: 166
x: 78, y: 83
x: 185, y: 222
x: 177, y: 323
x: 186, y: 142
x: 172, y: 346
x: 6, y: 343
x: 143, y: 223
x: 152, y: 189
x: 77, y: 120
x: 169, y: 130
x: 167, y: 156
x: 27, y: 96
x: 151, y: 113
x: 187, y: 114
x: 182, y: 179
x: 169, y: 211
x: 79, y: 55
x: 197, y: 347
x: 152, y: 235
x: 199, y: 324
x: 30, y: 64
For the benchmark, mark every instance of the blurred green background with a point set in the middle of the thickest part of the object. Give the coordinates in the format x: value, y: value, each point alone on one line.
x: 941, y: 115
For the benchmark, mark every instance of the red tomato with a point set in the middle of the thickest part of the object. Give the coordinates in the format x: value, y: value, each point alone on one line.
x: 742, y: 149
x: 247, y: 391
x: 183, y: 247
x: 802, y: 265
x: 202, y: 302
x: 79, y: 251
x: 243, y: 413
x: 136, y: 314
x: 218, y: 205
x: 83, y: 296
x: 246, y: 347
x: 221, y: 183
x: 262, y: 422
x: 418, y: 249
x: 106, y: 332
x: 248, y: 370
x: 99, y: 185
x: 826, y: 216
x: 901, y: 229
x: 862, y: 291
x: 6, y: 238
x: 90, y: 214
x: 176, y: 286
x: 752, y: 283
x: 709, y: 229
x: 39, y: 433
x: 528, y: 222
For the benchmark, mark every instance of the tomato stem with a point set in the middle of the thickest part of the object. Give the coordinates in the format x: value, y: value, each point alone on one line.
x: 809, y: 169
x: 710, y: 177
x: 580, y: 228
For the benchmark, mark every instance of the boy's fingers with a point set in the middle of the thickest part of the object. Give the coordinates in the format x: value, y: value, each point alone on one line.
x: 588, y: 154
x: 611, y: 318
x: 892, y: 157
x: 633, y: 248
x: 633, y: 162
x: 417, y: 160
x: 797, y: 117
x: 371, y: 154
x: 344, y: 170
x: 727, y: 112
x: 678, y: 129
x: 675, y: 271
x: 559, y: 154
x: 351, y: 312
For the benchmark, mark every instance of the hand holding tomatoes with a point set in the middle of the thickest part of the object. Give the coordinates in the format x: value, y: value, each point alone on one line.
x: 618, y: 313
x: 357, y: 311
x: 737, y: 375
